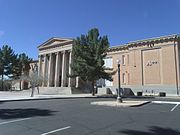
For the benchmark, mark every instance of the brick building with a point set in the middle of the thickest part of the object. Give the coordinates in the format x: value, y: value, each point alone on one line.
x: 150, y: 65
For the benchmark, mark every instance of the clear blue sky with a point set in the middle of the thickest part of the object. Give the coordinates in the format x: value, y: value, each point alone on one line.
x: 25, y: 24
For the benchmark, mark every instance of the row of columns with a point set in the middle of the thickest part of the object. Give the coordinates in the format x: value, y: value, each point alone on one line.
x: 54, y: 68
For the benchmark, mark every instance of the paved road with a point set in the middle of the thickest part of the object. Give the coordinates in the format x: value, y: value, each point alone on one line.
x: 78, y: 117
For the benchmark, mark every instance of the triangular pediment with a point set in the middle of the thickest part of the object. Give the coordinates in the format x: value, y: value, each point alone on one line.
x: 54, y: 41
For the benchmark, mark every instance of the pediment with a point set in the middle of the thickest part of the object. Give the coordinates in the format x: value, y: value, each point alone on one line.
x: 54, y: 41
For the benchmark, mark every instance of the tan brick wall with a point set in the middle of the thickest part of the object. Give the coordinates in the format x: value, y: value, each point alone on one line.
x: 160, y: 71
x: 151, y: 66
x: 168, y: 65
x: 135, y: 67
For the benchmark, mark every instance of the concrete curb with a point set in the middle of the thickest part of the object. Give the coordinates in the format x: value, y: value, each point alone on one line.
x: 124, y: 104
x: 147, y: 102
x: 41, y: 98
x: 28, y: 98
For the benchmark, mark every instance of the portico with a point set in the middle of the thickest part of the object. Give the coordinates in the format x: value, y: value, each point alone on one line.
x: 54, y: 62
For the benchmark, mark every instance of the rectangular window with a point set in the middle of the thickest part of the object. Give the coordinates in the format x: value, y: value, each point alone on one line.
x: 128, y: 59
x: 108, y: 62
x: 128, y: 80
x: 123, y: 59
x: 123, y: 78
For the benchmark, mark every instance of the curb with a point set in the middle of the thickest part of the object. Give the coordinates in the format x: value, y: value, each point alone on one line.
x: 119, y: 104
x: 141, y: 104
x: 49, y: 98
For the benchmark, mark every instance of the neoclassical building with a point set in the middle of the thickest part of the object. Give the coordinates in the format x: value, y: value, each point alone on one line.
x: 54, y: 62
x: 150, y: 65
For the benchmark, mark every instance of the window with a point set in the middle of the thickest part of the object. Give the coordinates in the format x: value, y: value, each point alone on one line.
x: 123, y: 78
x: 128, y: 80
x: 128, y: 59
x: 123, y: 60
x: 108, y: 63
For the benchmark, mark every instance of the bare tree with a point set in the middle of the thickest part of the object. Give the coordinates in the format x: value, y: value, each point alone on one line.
x: 34, y: 79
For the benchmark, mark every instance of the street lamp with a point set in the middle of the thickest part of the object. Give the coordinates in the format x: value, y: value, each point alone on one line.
x: 119, y: 98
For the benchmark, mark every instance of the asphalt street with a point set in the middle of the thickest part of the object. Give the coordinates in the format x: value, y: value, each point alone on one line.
x: 78, y: 117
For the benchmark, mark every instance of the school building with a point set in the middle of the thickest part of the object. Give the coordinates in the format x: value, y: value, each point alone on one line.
x: 150, y: 65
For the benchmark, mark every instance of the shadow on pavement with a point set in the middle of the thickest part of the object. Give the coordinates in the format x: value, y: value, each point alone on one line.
x: 154, y: 130
x: 1, y: 102
x: 23, y: 113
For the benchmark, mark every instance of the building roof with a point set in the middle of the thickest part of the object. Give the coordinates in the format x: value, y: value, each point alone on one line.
x: 142, y: 42
x: 53, y: 39
x: 148, y: 41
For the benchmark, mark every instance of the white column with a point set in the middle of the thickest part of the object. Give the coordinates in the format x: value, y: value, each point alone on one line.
x: 70, y: 79
x: 63, y: 79
x: 45, y: 70
x: 40, y: 65
x: 50, y: 71
x: 40, y: 68
x: 77, y: 82
x: 22, y: 84
x: 57, y: 69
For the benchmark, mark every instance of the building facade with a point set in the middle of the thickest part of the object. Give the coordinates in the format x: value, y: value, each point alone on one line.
x: 55, y: 58
x: 150, y: 65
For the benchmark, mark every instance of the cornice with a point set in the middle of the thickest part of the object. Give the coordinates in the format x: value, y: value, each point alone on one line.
x: 149, y: 42
x: 55, y: 45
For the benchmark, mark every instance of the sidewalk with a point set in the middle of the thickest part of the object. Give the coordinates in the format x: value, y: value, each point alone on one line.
x: 7, y: 96
x: 25, y: 95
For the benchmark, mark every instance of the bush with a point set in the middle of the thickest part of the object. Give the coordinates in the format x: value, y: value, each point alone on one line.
x: 5, y: 85
x: 139, y: 93
x: 162, y: 94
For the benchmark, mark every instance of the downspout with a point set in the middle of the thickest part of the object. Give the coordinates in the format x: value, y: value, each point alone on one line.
x: 177, y: 85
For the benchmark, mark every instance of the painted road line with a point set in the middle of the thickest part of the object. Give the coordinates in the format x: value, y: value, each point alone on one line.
x: 174, y: 107
x: 168, y: 102
x: 165, y: 102
x: 12, y: 121
x: 53, y: 131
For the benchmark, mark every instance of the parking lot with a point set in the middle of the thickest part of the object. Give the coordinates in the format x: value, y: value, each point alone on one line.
x: 78, y: 117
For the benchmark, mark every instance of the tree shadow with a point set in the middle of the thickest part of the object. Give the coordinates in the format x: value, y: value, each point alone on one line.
x: 23, y: 113
x: 1, y: 102
x: 154, y: 130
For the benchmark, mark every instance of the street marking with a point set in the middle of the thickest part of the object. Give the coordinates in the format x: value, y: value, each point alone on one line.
x: 53, y: 131
x: 167, y: 102
x: 12, y: 121
x: 174, y: 107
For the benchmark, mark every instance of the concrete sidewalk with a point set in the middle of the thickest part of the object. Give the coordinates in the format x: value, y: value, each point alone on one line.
x: 25, y: 95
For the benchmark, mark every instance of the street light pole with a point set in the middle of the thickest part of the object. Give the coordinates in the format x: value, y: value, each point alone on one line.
x: 119, y: 97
